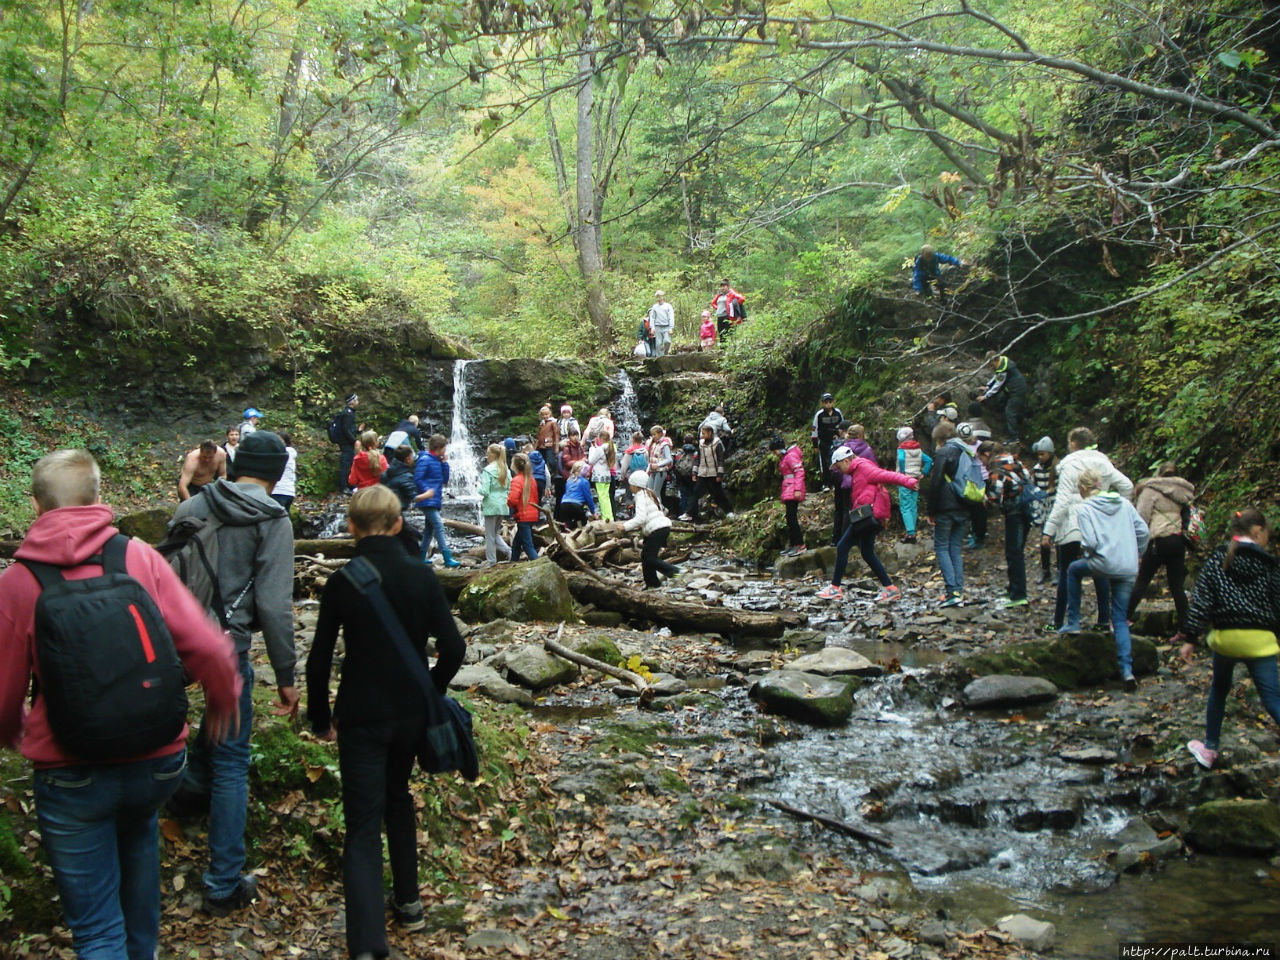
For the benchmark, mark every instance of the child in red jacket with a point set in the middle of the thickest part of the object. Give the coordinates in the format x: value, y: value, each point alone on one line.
x: 522, y: 499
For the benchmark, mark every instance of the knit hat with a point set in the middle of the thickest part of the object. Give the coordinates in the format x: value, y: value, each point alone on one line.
x: 510, y: 444
x: 566, y: 411
x: 963, y: 430
x: 905, y: 433
x: 638, y: 478
x: 262, y: 455
x: 1043, y: 445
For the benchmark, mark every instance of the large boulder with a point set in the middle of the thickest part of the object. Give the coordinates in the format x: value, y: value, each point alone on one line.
x: 999, y: 690
x: 820, y: 560
x: 1247, y: 827
x: 1071, y: 660
x: 835, y: 662
x: 532, y: 667
x: 149, y: 525
x: 825, y: 701
x: 521, y: 591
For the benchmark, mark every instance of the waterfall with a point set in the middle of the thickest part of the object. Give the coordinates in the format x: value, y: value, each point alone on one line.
x: 464, y: 467
x: 626, y: 412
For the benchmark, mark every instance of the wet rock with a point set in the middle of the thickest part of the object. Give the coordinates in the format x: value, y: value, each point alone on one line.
x: 492, y: 938
x: 1090, y: 755
x: 662, y: 685
x: 946, y: 856
x: 487, y: 681
x: 149, y: 525
x: 522, y: 591
x: 532, y: 667
x: 1070, y: 661
x: 835, y: 661
x: 755, y: 661
x: 999, y: 690
x: 819, y: 560
x: 802, y: 639
x: 1155, y: 620
x: 1051, y: 809
x: 1132, y: 857
x: 1035, y: 934
x: 599, y: 783
x: 602, y: 618
x: 1250, y: 828
x: 932, y: 932
x: 1137, y: 831
x: 806, y: 696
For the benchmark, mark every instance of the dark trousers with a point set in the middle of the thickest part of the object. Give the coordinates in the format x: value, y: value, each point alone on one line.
x: 715, y: 487
x: 650, y: 563
x: 1046, y: 555
x: 866, y: 541
x: 825, y: 479
x: 346, y: 455
x: 572, y: 514
x: 794, y: 533
x: 978, y: 519
x: 542, y: 490
x: 1171, y: 553
x: 1015, y: 408
x: 558, y: 485
x: 375, y: 761
x: 842, y: 514
x: 1069, y: 553
x: 685, y: 489
x: 1016, y: 525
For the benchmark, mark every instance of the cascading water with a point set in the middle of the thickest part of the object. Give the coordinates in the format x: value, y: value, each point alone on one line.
x: 464, y: 466
x: 626, y: 411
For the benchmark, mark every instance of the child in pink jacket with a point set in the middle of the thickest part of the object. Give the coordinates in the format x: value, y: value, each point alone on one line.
x: 869, y: 489
x: 707, y: 332
x: 791, y: 463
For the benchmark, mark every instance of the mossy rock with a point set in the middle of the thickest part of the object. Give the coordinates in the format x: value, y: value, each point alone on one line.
x: 534, y: 668
x: 522, y: 592
x: 824, y: 701
x: 149, y: 525
x: 597, y: 647
x: 1071, y: 661
x: 1249, y: 828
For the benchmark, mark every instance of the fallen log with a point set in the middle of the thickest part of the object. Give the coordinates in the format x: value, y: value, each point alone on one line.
x: 838, y: 825
x: 591, y: 663
x: 336, y: 548
x: 463, y: 527
x: 679, y: 615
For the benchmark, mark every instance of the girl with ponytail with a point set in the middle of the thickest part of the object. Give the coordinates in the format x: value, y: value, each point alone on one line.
x: 1237, y: 603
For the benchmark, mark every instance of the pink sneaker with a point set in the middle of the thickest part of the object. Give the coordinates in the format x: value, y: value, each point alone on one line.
x: 888, y: 594
x: 831, y: 592
x: 1204, y: 756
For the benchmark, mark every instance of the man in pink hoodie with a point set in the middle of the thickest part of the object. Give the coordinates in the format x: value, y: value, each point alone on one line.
x: 98, y: 820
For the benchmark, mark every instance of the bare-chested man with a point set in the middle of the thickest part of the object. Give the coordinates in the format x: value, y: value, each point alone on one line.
x: 202, y: 466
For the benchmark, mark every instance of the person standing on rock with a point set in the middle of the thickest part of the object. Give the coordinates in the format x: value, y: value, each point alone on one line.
x: 547, y: 441
x: 1112, y: 537
x: 229, y: 447
x: 729, y: 308
x: 601, y: 425
x: 578, y: 505
x: 380, y: 713
x: 654, y: 525
x: 251, y: 417
x: 495, y: 480
x: 1045, y: 472
x: 948, y: 511
x: 431, y: 474
x: 1061, y: 527
x: 286, y: 488
x: 201, y: 466
x: 571, y: 452
x: 567, y: 423
x: 348, y: 434
x: 660, y: 459
x: 868, y: 512
x: 1010, y: 481
x: 719, y: 425
x: 709, y: 474
x: 914, y: 462
x: 707, y: 332
x: 1236, y: 607
x: 825, y: 423
x: 398, y: 476
x: 662, y: 319
x: 1161, y: 502
x: 602, y: 459
x: 522, y: 499
x: 791, y: 465
x: 368, y: 465
x: 927, y: 269
x: 1008, y: 387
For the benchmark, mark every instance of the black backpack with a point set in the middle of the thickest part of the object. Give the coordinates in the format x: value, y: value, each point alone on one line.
x: 335, y: 428
x: 191, y: 547
x: 111, y: 680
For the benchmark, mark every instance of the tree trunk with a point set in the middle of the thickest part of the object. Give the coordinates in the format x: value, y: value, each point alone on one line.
x: 590, y: 256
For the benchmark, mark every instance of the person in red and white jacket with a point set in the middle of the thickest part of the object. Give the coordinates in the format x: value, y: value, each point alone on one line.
x: 98, y: 821
x: 728, y: 307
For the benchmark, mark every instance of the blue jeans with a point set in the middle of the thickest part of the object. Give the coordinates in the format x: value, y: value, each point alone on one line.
x: 1266, y: 679
x: 222, y: 771
x: 524, y: 542
x: 948, y: 545
x: 1016, y: 524
x: 1074, y: 573
x: 98, y: 825
x: 434, y: 528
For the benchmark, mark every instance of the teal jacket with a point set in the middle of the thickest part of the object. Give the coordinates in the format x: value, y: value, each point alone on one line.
x: 493, y: 495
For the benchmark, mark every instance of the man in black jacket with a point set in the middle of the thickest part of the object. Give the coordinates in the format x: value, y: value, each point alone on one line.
x: 380, y: 713
x: 348, y: 432
x: 1009, y: 387
x: 825, y: 423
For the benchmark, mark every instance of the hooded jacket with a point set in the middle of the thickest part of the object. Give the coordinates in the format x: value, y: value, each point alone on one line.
x: 1160, y: 501
x: 649, y: 516
x: 523, y: 512
x: 399, y: 477
x: 912, y: 460
x: 1061, y: 525
x: 493, y: 495
x: 365, y: 470
x: 862, y: 449
x: 431, y: 473
x: 255, y: 564
x: 67, y: 537
x: 1244, y: 597
x: 539, y: 464
x: 1112, y: 534
x: 792, y: 466
x: 869, y: 486
x: 946, y: 460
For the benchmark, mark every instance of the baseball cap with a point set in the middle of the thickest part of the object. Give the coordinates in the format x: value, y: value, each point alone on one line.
x: 827, y: 396
x: 252, y: 412
x: 842, y: 454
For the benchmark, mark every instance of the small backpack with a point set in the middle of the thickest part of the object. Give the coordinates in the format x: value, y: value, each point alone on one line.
x: 968, y: 482
x: 335, y: 428
x: 683, y: 466
x: 110, y: 677
x: 1193, y: 525
x: 639, y: 460
x: 191, y: 547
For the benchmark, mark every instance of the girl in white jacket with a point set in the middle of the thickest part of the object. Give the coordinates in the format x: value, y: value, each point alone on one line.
x: 654, y: 525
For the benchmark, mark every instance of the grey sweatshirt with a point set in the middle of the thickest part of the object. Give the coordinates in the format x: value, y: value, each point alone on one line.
x: 1112, y: 534
x: 255, y: 544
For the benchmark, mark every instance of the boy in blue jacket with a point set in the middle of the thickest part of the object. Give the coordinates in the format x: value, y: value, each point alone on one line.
x: 926, y: 270
x: 431, y: 474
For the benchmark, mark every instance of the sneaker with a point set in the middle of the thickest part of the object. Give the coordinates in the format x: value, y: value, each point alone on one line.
x: 1204, y: 756
x: 1008, y: 602
x: 409, y: 916
x: 789, y: 552
x: 1101, y: 627
x: 1130, y: 682
x: 831, y: 592
x: 1067, y: 628
x: 888, y: 594
x: 730, y: 515
x: 451, y: 563
x: 685, y: 517
x: 909, y: 538
x: 245, y: 893
x: 799, y: 548
x: 955, y: 600
x: 1050, y: 628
